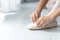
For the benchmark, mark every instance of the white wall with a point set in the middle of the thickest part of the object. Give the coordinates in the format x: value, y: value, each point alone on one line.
x: 0, y: 3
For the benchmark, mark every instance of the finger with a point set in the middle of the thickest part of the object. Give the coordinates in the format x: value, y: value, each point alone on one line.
x: 38, y: 21
x: 32, y: 20
x: 40, y: 24
x: 36, y: 16
x: 33, y: 17
x: 45, y: 25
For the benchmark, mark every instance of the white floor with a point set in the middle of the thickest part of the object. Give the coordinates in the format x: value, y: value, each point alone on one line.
x: 14, y: 27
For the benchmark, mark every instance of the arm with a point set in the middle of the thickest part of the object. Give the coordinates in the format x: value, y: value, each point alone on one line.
x: 36, y: 14
x: 55, y: 13
x: 41, y: 5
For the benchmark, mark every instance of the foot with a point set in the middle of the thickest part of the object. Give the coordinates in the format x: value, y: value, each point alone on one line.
x: 34, y: 26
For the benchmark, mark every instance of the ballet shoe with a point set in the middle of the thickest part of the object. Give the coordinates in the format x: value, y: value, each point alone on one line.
x: 34, y: 26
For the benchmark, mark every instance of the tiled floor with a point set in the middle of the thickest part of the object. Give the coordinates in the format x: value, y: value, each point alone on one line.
x: 14, y: 27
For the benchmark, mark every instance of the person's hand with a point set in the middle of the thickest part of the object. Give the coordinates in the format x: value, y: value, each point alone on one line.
x: 44, y: 21
x: 35, y: 15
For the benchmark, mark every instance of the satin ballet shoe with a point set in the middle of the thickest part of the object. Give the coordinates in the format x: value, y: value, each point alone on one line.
x: 34, y: 26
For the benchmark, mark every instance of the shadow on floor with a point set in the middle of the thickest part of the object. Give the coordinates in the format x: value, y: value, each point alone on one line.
x: 56, y: 29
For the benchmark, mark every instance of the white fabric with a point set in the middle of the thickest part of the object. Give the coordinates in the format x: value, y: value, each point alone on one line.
x: 50, y: 4
x: 9, y: 5
x: 57, y: 5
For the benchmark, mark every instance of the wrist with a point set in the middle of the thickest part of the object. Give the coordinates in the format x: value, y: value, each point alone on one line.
x: 38, y: 12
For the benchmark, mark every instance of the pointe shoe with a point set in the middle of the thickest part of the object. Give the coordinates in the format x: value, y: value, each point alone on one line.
x: 34, y: 26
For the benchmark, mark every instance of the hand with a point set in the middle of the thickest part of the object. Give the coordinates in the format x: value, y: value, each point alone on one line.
x: 35, y: 15
x: 44, y: 21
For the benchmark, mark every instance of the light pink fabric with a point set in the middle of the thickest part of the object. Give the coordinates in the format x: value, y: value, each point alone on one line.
x: 57, y: 5
x: 50, y: 4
